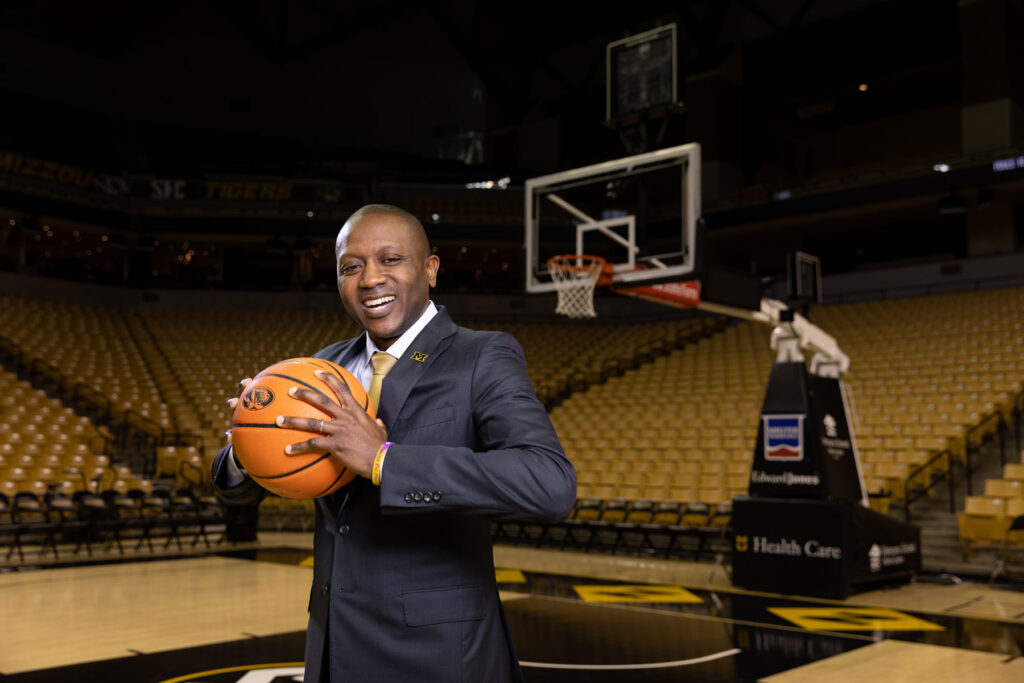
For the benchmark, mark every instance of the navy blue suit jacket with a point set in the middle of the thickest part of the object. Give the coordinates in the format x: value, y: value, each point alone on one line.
x: 403, y: 579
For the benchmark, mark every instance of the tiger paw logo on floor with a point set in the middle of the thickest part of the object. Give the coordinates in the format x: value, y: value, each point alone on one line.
x: 258, y: 399
x: 257, y: 673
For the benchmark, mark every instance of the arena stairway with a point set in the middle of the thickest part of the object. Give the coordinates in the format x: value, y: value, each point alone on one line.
x: 941, y: 548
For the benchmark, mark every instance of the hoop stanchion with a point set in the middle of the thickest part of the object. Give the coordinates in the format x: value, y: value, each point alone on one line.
x: 575, y: 276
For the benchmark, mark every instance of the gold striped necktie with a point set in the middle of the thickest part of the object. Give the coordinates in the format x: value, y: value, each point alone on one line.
x: 382, y: 364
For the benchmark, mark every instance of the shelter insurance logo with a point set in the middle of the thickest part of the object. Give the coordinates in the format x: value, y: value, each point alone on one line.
x: 783, y: 437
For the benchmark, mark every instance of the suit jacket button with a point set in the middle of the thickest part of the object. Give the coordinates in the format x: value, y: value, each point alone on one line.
x: 418, y: 497
x: 408, y: 498
x: 324, y: 590
x: 427, y: 497
x: 437, y: 496
x: 343, y: 529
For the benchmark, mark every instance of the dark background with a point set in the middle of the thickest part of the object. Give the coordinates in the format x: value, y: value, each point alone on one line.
x: 823, y: 126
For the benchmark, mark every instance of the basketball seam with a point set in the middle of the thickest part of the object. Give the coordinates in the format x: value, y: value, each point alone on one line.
x: 295, y: 471
x: 333, y: 483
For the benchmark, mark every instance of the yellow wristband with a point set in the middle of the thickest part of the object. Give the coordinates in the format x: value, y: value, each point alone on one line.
x: 378, y: 462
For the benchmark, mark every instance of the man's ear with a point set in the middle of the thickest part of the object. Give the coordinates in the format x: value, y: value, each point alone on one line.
x: 433, y: 263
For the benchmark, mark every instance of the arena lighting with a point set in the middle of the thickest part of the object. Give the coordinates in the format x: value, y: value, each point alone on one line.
x: 941, y: 168
x: 863, y: 87
x: 781, y: 195
x: 435, y: 217
x: 500, y: 184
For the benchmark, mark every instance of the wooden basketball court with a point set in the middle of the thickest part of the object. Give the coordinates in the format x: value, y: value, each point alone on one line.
x: 575, y: 617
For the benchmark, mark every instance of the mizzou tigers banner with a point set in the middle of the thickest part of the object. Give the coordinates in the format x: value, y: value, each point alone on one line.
x: 28, y: 172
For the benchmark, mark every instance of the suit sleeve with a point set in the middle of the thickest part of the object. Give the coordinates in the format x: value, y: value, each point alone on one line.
x: 517, y: 468
x: 248, y: 492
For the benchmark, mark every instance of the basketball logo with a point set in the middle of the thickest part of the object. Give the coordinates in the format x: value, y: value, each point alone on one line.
x: 258, y: 399
x: 742, y: 543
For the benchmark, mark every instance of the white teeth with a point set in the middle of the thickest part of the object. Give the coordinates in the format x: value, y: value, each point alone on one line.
x: 373, y: 303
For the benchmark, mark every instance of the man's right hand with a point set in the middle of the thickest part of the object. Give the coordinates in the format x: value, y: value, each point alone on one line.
x: 233, y: 401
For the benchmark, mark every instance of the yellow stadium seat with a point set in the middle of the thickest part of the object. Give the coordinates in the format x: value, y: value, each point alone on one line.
x: 1004, y: 488
x: 1013, y: 471
x: 980, y: 521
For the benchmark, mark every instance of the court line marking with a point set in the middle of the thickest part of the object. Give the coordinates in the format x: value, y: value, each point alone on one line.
x: 964, y: 604
x: 633, y: 667
x: 233, y: 669
x: 702, y: 617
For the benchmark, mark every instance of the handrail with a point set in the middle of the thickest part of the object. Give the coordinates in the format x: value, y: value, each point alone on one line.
x: 182, y: 465
x: 968, y: 450
x: 913, y: 494
x: 48, y: 371
x: 11, y: 354
x: 94, y: 396
x: 1018, y: 416
x: 145, y: 424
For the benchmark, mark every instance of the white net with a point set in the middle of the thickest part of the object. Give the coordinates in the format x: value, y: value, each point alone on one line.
x: 575, y: 277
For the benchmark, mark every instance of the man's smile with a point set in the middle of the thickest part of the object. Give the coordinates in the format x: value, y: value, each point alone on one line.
x: 379, y: 304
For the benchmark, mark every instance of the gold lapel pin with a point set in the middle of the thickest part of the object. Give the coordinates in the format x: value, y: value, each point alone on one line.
x: 418, y: 356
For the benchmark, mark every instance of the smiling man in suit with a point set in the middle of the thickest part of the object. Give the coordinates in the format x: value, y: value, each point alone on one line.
x: 403, y: 579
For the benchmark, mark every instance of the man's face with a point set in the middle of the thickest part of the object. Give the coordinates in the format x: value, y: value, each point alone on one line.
x: 384, y: 275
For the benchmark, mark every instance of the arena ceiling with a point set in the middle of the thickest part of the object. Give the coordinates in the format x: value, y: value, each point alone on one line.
x: 532, y: 58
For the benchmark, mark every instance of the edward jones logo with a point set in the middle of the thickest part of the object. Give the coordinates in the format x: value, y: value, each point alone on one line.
x: 783, y: 437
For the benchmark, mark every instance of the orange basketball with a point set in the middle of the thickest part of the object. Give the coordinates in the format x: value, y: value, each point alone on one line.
x: 259, y: 442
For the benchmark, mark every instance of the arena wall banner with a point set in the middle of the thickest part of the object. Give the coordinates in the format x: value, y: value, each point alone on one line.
x: 70, y: 182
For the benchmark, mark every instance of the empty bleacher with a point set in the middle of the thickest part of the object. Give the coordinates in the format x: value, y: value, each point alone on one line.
x: 660, y: 415
x: 928, y: 374
x: 681, y: 428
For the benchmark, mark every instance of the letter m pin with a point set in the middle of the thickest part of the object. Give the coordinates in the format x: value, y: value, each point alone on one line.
x: 418, y: 356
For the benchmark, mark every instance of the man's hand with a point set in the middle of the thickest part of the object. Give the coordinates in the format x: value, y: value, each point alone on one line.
x: 349, y: 433
x: 233, y: 401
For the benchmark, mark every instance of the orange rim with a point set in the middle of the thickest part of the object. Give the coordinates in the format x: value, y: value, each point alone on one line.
x: 571, y: 262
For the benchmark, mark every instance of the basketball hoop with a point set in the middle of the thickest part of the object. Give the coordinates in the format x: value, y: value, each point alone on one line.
x: 575, y: 276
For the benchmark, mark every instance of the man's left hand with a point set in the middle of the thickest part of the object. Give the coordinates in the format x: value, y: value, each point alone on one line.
x: 350, y: 434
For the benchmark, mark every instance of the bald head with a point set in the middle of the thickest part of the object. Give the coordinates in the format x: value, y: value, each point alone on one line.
x: 417, y: 235
x: 385, y: 270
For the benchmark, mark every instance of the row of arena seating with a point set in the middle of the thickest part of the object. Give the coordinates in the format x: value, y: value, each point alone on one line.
x: 56, y: 521
x: 678, y: 428
x: 642, y: 526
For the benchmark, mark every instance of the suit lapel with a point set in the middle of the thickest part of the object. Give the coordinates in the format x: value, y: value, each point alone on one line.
x: 346, y: 350
x: 424, y: 350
